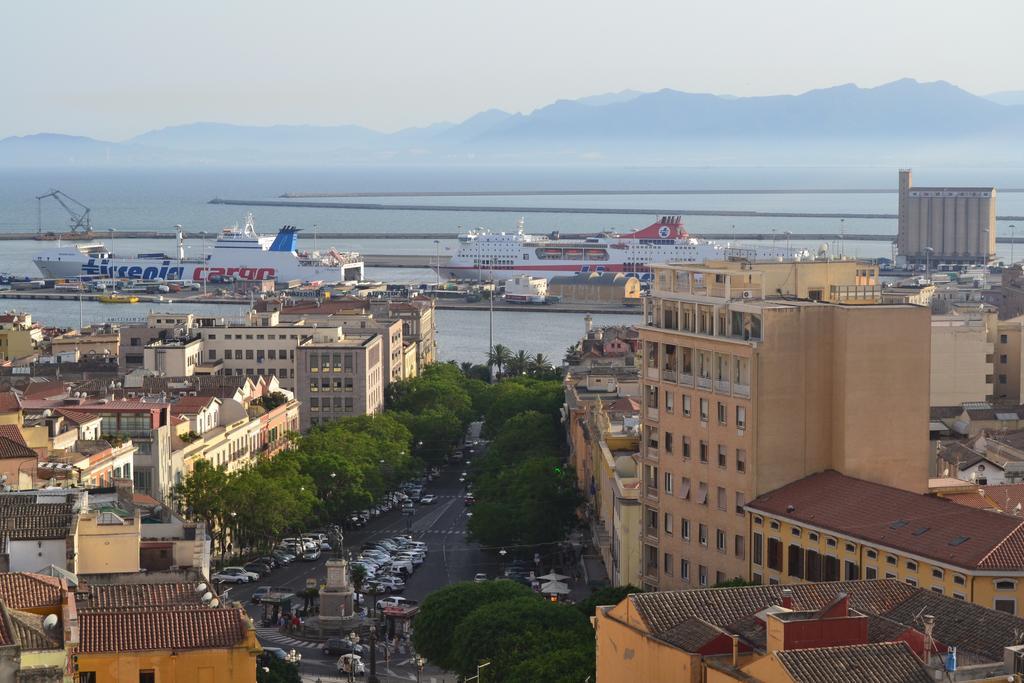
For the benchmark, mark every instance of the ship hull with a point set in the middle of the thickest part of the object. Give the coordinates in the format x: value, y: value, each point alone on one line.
x: 251, y: 267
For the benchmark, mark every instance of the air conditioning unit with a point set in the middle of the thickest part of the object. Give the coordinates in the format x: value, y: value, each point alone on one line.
x: 747, y: 294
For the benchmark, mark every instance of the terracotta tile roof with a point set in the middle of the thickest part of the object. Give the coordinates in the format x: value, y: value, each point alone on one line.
x: 23, y: 590
x: 891, y: 605
x: 972, y: 500
x: 9, y: 402
x: 13, y: 433
x: 165, y: 628
x: 6, y: 637
x: 623, y: 405
x: 45, y: 389
x: 120, y: 405
x: 115, y: 596
x: 959, y: 455
x: 27, y: 629
x: 873, y: 663
x: 23, y: 519
x: 10, y: 448
x: 75, y: 416
x: 881, y: 515
x: 1003, y: 497
x: 190, y: 405
x: 690, y: 634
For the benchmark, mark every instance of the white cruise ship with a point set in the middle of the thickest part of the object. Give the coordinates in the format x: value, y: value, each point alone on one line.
x: 237, y: 254
x: 498, y: 256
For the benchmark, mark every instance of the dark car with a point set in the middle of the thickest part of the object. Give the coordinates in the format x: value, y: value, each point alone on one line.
x: 260, y: 568
x: 340, y: 646
x: 469, y: 500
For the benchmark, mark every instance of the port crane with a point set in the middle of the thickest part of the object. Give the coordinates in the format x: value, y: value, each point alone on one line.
x: 77, y: 218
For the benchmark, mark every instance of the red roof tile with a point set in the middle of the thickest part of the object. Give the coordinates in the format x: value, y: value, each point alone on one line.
x: 190, y: 405
x: 23, y: 590
x: 75, y: 416
x: 113, y: 596
x: 871, y: 663
x: 178, y: 628
x: 881, y: 515
x: 44, y: 389
x: 9, y: 448
x: 9, y: 402
x: 13, y: 432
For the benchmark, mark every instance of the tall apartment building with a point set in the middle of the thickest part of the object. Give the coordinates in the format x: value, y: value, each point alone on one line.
x: 946, y: 224
x: 339, y: 379
x: 963, y: 354
x: 743, y: 393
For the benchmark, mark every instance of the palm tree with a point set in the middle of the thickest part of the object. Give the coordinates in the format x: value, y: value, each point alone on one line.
x: 466, y: 367
x: 519, y: 363
x: 499, y: 357
x: 540, y: 365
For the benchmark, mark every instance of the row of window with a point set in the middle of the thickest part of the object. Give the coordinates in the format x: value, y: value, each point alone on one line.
x: 739, y: 547
x: 339, y: 403
x: 685, y: 490
x: 258, y: 336
x: 721, y: 412
x: 250, y: 354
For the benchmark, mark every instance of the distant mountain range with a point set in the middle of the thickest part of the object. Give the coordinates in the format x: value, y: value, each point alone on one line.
x: 900, y: 122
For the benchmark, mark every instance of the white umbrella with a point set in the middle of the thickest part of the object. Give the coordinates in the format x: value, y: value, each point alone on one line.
x: 554, y: 588
x: 553, y: 576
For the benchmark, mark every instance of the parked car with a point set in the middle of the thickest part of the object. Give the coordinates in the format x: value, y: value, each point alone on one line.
x: 480, y: 577
x: 233, y: 575
x: 470, y: 499
x: 341, y: 646
x: 395, y: 601
x: 258, y: 594
x: 311, y: 555
x: 275, y: 652
x: 428, y: 499
x: 258, y: 568
x: 283, y: 556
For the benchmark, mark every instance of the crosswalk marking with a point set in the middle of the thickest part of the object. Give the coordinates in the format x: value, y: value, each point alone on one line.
x: 272, y: 635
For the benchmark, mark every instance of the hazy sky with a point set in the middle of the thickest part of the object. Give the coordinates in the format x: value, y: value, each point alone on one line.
x: 115, y: 69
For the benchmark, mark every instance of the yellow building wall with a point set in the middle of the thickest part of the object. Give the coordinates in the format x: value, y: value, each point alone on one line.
x: 13, y: 418
x: 625, y: 653
x: 957, y: 582
x: 42, y: 659
x: 107, y: 548
x: 237, y: 665
x: 17, y: 343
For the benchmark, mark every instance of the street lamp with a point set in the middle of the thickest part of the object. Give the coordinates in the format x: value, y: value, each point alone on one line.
x: 294, y: 658
x: 420, y: 662
x: 437, y: 266
x: 373, y: 654
x: 928, y: 251
x: 353, y: 638
x: 503, y: 553
x: 1012, y: 229
x: 479, y: 667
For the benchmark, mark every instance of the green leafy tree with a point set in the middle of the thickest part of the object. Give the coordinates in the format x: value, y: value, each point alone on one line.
x: 735, y: 582
x: 498, y: 358
x: 518, y: 364
x: 609, y: 595
x: 444, y: 609
x: 503, y: 632
x: 570, y: 664
x: 273, y: 670
x: 200, y: 497
x: 358, y: 574
x: 539, y: 366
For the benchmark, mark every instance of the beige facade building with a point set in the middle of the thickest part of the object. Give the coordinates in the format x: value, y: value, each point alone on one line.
x: 101, y: 341
x: 955, y: 225
x: 1009, y: 361
x: 962, y: 353
x: 339, y: 379
x: 743, y: 393
x: 176, y: 357
x: 19, y: 336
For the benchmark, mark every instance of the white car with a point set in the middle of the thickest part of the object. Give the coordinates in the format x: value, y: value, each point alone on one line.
x: 234, y: 575
x: 428, y: 499
x: 395, y: 601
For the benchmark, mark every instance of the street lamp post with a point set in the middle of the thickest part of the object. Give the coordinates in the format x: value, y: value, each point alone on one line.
x: 928, y: 251
x: 295, y: 658
x: 420, y: 662
x: 1013, y: 228
x: 437, y: 265
x: 503, y: 553
x: 373, y: 654
x: 479, y: 668
x: 354, y: 640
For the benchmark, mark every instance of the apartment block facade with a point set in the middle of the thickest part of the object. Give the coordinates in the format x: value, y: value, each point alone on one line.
x: 339, y: 379
x: 742, y: 394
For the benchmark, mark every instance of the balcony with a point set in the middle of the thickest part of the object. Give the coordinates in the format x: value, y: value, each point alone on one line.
x: 722, y: 386
x: 668, y: 375
x: 686, y: 379
x: 704, y: 382
x: 741, y: 390
x: 652, y: 452
x: 652, y: 414
x: 652, y: 373
x: 652, y: 492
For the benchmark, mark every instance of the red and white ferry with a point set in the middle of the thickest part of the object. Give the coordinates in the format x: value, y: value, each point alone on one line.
x: 488, y: 255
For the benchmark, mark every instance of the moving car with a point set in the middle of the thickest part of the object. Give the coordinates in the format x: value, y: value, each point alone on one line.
x: 351, y: 664
x: 234, y: 575
x: 259, y: 568
x: 258, y: 594
x: 480, y: 578
x: 341, y: 646
x: 395, y: 601
x: 428, y: 499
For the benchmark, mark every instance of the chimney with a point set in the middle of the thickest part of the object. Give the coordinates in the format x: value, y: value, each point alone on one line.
x: 588, y: 321
x: 787, y: 598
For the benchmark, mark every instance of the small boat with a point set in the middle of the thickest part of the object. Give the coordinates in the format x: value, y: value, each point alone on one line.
x: 118, y: 299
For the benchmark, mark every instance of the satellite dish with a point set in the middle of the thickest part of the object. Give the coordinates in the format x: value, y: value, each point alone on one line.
x: 50, y: 622
x: 201, y: 588
x: 215, y: 603
x: 47, y: 413
x: 207, y: 596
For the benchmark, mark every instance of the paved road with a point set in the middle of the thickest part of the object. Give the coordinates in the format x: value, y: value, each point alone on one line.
x: 450, y: 559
